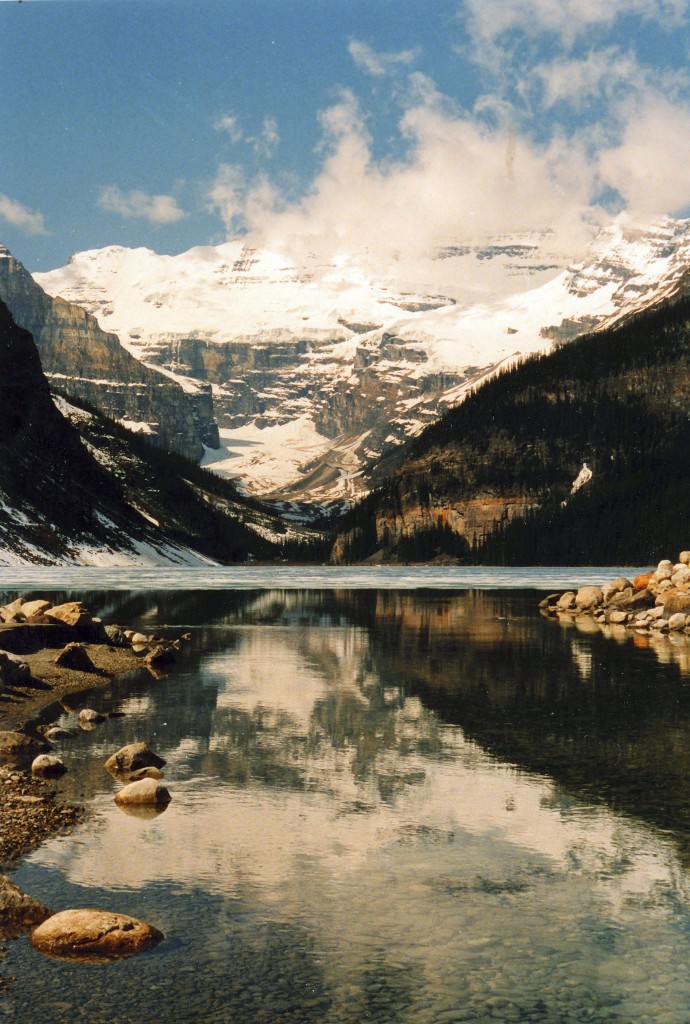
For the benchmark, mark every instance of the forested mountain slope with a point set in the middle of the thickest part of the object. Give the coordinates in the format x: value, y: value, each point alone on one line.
x: 491, y: 481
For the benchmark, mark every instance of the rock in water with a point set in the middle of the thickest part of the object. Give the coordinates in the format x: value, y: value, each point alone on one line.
x: 18, y: 912
x: 93, y: 935
x: 87, y: 716
x: 18, y: 744
x: 145, y: 773
x: 145, y: 791
x: 132, y: 757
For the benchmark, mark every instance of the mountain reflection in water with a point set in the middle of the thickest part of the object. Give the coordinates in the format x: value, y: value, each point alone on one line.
x: 385, y: 804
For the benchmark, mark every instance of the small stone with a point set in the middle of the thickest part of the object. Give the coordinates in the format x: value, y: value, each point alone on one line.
x: 18, y: 744
x: 47, y: 764
x: 139, y: 640
x: 677, y: 621
x: 87, y: 716
x: 566, y: 601
x: 57, y: 733
x: 161, y: 656
x: 642, y: 581
x: 618, y: 616
x: 684, y: 557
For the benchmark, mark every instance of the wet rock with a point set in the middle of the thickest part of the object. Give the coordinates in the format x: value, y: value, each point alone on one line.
x: 87, y: 716
x: 145, y: 773
x: 18, y: 912
x: 677, y: 621
x: 93, y: 935
x: 116, y: 636
x: 55, y: 732
x: 18, y: 744
x: 139, y: 640
x: 566, y: 601
x: 145, y: 791
x: 161, y: 656
x: 76, y: 657
x: 132, y: 757
x: 73, y: 613
x: 47, y: 764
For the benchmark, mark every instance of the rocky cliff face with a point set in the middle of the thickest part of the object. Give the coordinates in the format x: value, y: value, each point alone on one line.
x: 85, y: 362
x: 366, y: 362
x: 75, y: 488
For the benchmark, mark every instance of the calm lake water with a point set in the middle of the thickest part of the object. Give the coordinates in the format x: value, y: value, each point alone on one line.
x: 389, y: 805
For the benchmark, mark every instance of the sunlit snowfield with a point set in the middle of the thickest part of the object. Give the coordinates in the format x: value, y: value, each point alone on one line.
x: 388, y: 805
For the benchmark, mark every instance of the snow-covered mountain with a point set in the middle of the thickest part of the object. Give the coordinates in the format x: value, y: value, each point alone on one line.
x: 320, y: 368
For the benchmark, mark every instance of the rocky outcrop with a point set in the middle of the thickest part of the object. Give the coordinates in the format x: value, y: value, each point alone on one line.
x: 85, y: 362
x: 654, y: 602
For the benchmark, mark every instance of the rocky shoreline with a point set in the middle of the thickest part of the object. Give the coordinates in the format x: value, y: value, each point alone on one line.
x: 655, y: 602
x: 51, y: 655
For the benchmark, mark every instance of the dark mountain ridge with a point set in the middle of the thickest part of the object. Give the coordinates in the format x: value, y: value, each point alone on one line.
x: 78, y: 488
x: 491, y: 481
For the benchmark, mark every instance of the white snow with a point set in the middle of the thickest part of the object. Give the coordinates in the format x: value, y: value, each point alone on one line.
x: 271, y: 457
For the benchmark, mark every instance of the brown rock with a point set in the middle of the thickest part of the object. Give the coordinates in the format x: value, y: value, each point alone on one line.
x: 73, y: 613
x: 32, y: 609
x: 12, y: 612
x: 161, y: 656
x: 588, y: 597
x: 145, y: 791
x: 132, y: 757
x: 18, y: 744
x: 145, y: 773
x: 566, y: 601
x: 642, y: 581
x: 93, y: 935
x: 18, y: 912
x: 75, y: 656
x: 679, y: 601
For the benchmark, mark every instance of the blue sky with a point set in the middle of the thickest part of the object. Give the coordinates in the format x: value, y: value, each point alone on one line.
x: 392, y: 126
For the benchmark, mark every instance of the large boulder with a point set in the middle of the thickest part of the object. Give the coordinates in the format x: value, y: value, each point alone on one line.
x: 588, y: 597
x: 94, y: 935
x: 75, y: 657
x: 34, y: 609
x: 145, y: 791
x: 132, y: 757
x: 73, y: 613
x: 19, y: 745
x: 642, y: 581
x: 18, y: 912
x: 679, y: 601
x: 12, y: 612
x: 566, y: 601
x: 13, y: 670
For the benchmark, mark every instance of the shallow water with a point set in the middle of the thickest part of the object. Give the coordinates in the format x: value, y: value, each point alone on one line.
x: 388, y: 805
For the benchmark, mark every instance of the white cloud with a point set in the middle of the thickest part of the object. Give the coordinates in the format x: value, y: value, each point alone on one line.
x: 378, y: 64
x: 157, y: 209
x: 18, y: 216
x: 459, y: 184
x: 568, y: 20
x: 264, y: 143
x: 229, y: 124
x: 649, y: 166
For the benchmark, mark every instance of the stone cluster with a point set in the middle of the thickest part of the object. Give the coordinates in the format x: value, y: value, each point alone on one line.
x: 657, y: 601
